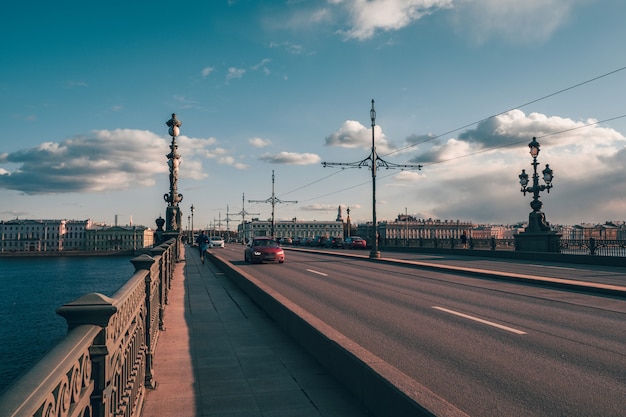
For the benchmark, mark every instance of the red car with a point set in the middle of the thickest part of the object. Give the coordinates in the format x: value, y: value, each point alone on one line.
x: 263, y: 249
x: 354, y: 242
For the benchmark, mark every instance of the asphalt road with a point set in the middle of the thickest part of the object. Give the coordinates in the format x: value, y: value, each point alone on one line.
x: 490, y: 348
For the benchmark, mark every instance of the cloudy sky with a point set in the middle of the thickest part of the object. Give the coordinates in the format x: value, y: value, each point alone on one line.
x: 460, y: 87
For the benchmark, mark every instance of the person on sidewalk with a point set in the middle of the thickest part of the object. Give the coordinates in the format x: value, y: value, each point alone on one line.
x: 203, y: 244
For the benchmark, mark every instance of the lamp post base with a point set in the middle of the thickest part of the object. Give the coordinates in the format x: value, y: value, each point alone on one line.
x: 374, y: 254
x: 538, y: 242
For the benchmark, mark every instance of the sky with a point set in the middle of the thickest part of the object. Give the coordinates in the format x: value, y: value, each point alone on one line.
x: 266, y: 88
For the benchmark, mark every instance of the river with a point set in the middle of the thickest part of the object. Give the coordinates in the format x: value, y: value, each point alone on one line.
x: 32, y: 288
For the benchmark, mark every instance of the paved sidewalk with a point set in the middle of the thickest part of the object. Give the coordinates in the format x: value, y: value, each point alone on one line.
x: 220, y: 355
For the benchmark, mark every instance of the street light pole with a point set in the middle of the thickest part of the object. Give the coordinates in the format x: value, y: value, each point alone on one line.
x: 373, y: 161
x: 192, y: 209
x: 538, y: 236
x: 375, y: 253
x: 536, y: 220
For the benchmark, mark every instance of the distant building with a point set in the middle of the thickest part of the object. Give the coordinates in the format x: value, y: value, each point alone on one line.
x: 69, y: 235
x: 290, y: 228
x: 409, y: 227
x: 117, y: 238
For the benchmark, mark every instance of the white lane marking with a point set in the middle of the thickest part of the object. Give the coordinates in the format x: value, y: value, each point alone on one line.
x: 490, y: 323
x: 317, y: 272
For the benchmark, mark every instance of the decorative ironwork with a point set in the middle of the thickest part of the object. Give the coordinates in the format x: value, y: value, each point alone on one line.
x: 373, y: 162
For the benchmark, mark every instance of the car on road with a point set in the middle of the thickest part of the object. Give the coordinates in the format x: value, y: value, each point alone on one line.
x: 334, y: 242
x: 263, y: 249
x: 354, y: 242
x: 216, y: 242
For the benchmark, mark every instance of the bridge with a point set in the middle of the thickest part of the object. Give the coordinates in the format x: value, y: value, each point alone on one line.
x: 186, y: 339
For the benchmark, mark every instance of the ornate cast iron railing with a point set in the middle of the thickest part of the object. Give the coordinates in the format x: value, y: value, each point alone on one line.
x: 103, y: 366
x: 591, y: 246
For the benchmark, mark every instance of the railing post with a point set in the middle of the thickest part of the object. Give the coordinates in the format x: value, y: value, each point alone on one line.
x: 493, y: 243
x: 145, y: 262
x: 95, y: 309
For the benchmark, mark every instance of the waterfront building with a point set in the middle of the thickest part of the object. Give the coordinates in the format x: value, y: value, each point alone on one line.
x: 291, y: 228
x: 409, y: 227
x: 42, y: 235
x: 118, y: 238
x: 24, y: 235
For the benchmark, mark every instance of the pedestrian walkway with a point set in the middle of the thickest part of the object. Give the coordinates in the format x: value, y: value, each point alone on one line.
x: 220, y: 355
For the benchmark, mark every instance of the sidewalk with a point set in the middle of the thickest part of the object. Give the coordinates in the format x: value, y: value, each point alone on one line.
x: 220, y: 355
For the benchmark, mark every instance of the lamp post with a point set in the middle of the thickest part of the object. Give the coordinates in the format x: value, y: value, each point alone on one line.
x: 375, y: 253
x: 173, y: 213
x: 373, y: 161
x: 536, y: 221
x: 192, y: 208
x: 537, y: 236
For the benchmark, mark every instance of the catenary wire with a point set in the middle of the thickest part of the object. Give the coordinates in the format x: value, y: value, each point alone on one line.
x: 431, y: 138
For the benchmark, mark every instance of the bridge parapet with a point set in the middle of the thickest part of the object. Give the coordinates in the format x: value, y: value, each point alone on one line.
x: 104, y: 364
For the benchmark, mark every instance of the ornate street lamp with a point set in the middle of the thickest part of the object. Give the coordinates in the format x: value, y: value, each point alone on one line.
x: 192, y: 208
x: 173, y: 214
x: 536, y: 220
x: 537, y: 236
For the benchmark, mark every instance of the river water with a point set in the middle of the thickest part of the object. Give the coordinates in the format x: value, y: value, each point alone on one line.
x: 32, y: 288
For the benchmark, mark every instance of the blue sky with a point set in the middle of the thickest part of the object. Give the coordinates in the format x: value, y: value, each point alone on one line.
x: 283, y: 86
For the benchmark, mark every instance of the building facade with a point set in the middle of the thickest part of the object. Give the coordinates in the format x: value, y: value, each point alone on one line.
x: 409, y: 227
x: 118, y: 238
x: 291, y: 228
x: 70, y: 235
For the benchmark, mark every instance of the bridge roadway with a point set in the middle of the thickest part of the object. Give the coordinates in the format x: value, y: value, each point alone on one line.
x: 489, y: 336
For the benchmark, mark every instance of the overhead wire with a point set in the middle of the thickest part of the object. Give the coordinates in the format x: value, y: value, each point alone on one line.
x: 431, y: 138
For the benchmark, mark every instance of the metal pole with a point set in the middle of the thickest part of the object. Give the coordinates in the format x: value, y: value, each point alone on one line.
x: 375, y: 253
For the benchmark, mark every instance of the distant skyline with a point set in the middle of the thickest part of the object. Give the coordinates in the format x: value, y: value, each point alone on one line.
x: 460, y: 87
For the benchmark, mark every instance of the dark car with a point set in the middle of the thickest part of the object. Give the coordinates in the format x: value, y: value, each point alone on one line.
x: 263, y: 249
x: 319, y: 241
x: 334, y: 242
x: 354, y: 242
x: 286, y: 241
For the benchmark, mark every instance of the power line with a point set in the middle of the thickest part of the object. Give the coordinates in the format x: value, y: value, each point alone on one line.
x: 430, y: 138
x: 524, y: 140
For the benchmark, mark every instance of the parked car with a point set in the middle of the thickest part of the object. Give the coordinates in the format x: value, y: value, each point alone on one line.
x: 354, y: 242
x: 319, y: 241
x: 282, y: 241
x: 297, y: 241
x: 263, y: 249
x: 334, y: 242
x: 216, y: 242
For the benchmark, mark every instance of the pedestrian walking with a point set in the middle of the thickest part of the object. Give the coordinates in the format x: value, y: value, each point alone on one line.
x: 464, y: 240
x: 203, y: 244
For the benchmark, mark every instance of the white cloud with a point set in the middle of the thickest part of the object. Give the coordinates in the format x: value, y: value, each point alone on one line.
x: 259, y: 143
x: 104, y: 160
x: 206, y: 71
x: 262, y: 66
x: 516, y: 21
x: 353, y: 134
x: 235, y: 73
x: 368, y: 17
x: 475, y: 176
x: 291, y: 158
